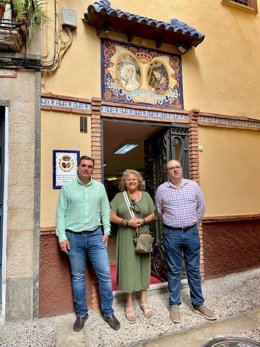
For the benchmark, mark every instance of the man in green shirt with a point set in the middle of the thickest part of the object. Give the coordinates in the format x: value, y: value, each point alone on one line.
x: 82, y: 207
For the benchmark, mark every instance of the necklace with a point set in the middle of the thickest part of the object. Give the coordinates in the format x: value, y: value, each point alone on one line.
x: 135, y: 196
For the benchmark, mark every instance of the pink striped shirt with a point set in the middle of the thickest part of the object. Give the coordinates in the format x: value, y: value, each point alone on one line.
x: 180, y: 207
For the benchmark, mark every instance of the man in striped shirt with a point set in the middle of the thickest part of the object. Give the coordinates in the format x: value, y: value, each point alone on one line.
x: 180, y: 205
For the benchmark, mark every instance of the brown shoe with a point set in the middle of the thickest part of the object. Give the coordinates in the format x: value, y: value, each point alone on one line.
x: 205, y: 312
x: 113, y: 322
x: 175, y: 314
x: 79, y: 323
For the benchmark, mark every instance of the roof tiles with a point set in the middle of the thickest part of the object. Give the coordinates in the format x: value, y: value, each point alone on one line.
x: 103, y: 17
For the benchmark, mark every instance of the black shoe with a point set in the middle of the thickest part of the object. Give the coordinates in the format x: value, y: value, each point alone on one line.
x: 79, y: 324
x: 113, y: 322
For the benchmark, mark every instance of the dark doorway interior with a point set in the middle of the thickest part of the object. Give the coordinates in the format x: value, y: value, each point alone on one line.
x: 157, y: 143
x: 116, y: 133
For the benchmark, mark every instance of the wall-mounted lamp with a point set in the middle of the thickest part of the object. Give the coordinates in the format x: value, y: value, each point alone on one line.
x: 182, y: 48
x: 103, y: 29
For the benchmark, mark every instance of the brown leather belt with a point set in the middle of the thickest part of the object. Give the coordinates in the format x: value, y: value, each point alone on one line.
x: 180, y: 229
x: 81, y: 232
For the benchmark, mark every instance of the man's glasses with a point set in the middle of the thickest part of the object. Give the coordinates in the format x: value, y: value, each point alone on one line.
x: 134, y: 207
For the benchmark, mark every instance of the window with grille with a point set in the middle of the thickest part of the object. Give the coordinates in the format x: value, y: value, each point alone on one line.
x: 83, y: 124
x: 247, y: 5
x: 242, y: 2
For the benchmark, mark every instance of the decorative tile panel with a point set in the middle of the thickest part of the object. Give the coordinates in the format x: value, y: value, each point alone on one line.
x: 234, y: 123
x: 135, y: 113
x: 65, y: 104
x: 143, y: 113
x: 138, y: 75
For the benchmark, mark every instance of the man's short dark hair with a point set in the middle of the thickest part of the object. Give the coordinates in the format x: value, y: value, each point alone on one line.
x: 85, y: 157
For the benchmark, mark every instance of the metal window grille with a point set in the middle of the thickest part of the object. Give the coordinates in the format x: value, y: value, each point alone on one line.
x: 242, y: 2
x: 83, y: 124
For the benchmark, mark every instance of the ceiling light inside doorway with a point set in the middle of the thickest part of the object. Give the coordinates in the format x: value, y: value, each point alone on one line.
x: 126, y: 147
x: 113, y: 178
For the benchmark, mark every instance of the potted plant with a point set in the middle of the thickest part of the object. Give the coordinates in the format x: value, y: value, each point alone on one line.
x: 2, y: 10
x: 27, y: 14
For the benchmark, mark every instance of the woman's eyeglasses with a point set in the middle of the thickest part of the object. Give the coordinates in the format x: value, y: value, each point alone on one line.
x: 134, y: 207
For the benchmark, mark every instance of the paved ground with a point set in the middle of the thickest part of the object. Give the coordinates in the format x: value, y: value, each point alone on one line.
x: 235, y: 299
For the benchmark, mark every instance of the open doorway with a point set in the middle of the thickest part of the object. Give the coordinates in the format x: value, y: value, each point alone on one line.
x: 115, y: 134
x: 154, y: 144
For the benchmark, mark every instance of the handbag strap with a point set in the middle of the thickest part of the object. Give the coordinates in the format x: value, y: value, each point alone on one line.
x: 128, y: 204
x: 129, y: 209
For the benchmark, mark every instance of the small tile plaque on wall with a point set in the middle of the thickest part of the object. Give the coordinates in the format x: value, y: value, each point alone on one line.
x: 64, y: 166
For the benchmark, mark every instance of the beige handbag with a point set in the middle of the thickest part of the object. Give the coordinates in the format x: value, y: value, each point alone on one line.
x: 143, y: 242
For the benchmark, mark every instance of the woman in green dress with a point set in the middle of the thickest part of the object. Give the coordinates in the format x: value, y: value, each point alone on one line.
x: 133, y: 269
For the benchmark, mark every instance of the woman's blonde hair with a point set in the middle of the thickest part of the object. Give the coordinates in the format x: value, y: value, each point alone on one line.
x: 127, y: 172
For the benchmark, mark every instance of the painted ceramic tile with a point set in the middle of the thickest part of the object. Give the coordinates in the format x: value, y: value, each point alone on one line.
x: 137, y: 75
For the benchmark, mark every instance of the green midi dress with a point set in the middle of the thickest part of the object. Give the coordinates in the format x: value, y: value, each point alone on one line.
x: 133, y: 269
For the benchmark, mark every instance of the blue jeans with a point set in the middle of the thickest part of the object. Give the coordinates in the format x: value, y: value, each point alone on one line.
x: 93, y: 247
x: 186, y: 243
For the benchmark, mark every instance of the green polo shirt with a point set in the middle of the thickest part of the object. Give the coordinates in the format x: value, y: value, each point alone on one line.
x: 82, y: 207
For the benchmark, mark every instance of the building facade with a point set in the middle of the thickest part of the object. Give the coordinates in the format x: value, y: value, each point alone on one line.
x: 176, y: 80
x: 20, y: 112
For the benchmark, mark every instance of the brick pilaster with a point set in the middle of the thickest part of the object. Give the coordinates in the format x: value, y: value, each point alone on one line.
x: 194, y: 167
x: 96, y: 155
x: 194, y: 145
x: 96, y: 136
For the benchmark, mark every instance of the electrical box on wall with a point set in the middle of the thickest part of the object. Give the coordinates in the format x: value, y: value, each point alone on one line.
x: 69, y: 18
